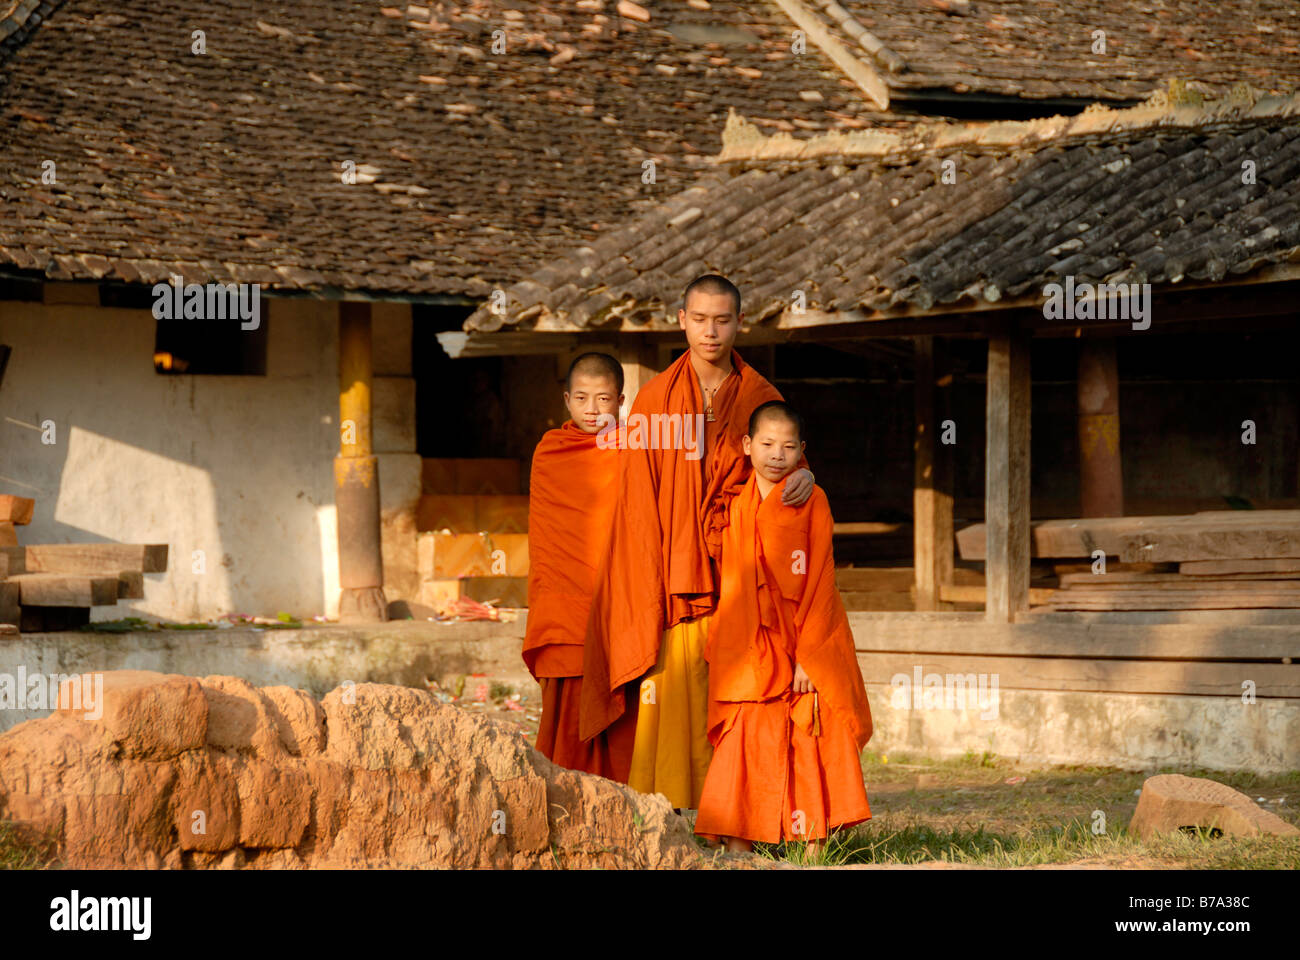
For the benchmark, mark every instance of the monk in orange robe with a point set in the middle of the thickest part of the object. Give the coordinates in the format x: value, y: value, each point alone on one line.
x: 655, y: 596
x: 788, y: 713
x: 570, y: 501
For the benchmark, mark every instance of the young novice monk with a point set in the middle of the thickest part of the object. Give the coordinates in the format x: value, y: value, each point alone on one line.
x: 570, y: 504
x: 788, y: 714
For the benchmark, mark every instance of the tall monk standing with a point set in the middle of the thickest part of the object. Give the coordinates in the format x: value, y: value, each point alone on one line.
x: 658, y: 589
x: 571, y: 495
x: 788, y: 712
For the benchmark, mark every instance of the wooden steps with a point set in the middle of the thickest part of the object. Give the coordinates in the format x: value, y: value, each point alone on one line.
x: 443, y: 556
x: 505, y: 591
x: 473, y: 533
x: 470, y: 513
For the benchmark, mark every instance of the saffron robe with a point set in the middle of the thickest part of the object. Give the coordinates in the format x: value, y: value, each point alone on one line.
x: 665, y: 539
x: 785, y: 765
x: 572, y: 487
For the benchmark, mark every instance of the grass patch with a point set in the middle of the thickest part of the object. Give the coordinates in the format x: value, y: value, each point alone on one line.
x: 125, y: 625
x: 989, y: 811
x: 910, y: 842
x: 17, y: 853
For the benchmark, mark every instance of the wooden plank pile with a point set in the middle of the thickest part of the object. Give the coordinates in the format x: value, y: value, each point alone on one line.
x: 53, y: 586
x: 1213, y: 560
x: 473, y: 540
x: 881, y: 588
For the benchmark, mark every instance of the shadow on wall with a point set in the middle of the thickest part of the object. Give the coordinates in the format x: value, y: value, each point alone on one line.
x: 232, y: 472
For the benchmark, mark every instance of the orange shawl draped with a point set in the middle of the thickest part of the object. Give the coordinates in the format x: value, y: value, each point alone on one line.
x: 571, y: 495
x: 667, y: 524
x: 779, y: 604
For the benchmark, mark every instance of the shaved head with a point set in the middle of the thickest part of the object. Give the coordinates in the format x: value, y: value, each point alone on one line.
x: 595, y: 365
x: 712, y: 283
x: 776, y: 410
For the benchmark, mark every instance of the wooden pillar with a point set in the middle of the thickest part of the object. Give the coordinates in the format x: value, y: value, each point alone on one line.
x: 932, y: 486
x: 1101, y: 477
x: 1006, y: 477
x: 356, y: 475
x: 638, y: 356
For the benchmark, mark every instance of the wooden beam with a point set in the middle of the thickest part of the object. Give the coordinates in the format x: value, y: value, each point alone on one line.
x: 100, y: 559
x: 16, y: 509
x: 932, y: 485
x: 1093, y: 676
x: 853, y: 67
x: 65, y: 590
x: 1066, y: 635
x: 10, y: 610
x: 1101, y: 480
x: 1006, y: 477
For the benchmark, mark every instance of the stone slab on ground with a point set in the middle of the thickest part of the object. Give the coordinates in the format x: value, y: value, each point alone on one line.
x: 1172, y: 802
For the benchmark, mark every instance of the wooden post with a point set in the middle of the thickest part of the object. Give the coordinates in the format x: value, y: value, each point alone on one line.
x: 932, y: 487
x: 1006, y: 477
x: 637, y: 356
x: 356, y: 475
x: 1101, y: 477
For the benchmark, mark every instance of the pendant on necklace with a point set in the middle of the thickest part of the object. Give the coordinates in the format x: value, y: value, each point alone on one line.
x: 708, y: 415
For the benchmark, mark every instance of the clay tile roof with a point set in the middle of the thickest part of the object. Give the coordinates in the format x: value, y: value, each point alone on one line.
x: 1035, y: 49
x: 941, y: 213
x: 473, y: 168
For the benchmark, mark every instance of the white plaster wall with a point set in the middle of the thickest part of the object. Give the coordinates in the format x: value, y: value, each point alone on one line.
x: 239, y: 468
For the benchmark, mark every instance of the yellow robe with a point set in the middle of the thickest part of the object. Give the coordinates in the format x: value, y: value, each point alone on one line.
x: 672, y: 752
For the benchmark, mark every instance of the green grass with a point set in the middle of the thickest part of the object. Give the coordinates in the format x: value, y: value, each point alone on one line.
x: 17, y: 853
x: 962, y: 810
x: 911, y: 842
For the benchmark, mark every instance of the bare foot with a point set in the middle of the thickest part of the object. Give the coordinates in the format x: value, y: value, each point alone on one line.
x: 739, y: 845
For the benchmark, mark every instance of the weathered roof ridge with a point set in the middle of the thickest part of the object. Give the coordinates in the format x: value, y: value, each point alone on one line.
x: 15, y: 14
x: 863, y: 73
x: 1176, y: 107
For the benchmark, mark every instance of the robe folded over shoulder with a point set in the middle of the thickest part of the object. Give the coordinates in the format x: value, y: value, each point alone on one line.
x: 572, y: 487
x: 777, y: 752
x: 667, y: 526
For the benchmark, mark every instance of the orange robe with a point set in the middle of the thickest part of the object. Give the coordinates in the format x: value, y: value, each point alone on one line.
x: 666, y: 533
x: 785, y: 765
x: 571, y: 499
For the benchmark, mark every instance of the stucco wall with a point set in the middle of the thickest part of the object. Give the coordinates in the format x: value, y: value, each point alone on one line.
x: 238, y: 467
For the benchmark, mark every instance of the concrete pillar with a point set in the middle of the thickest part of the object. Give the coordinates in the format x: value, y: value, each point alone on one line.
x: 356, y: 475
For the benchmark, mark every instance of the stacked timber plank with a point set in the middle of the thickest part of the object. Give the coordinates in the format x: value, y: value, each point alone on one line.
x: 473, y: 539
x: 14, y: 512
x: 53, y: 586
x: 1213, y: 560
x: 882, y: 588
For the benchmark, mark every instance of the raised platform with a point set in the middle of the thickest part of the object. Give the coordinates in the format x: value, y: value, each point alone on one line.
x: 1127, y: 690
x: 316, y: 658
x: 1212, y: 689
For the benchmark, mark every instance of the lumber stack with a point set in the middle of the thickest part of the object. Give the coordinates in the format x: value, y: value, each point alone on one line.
x: 1212, y: 560
x: 473, y: 533
x: 52, y: 586
x: 879, y: 588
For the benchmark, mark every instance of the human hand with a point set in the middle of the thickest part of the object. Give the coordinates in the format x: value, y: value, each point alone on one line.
x: 802, y: 682
x: 798, y: 488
